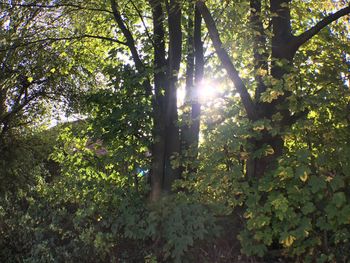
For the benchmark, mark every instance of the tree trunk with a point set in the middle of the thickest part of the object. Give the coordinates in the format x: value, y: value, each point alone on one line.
x: 198, y: 78
x: 2, y: 111
x: 165, y: 117
x: 194, y: 76
x: 281, y: 64
x: 172, y: 136
x: 258, y: 167
x: 158, y: 147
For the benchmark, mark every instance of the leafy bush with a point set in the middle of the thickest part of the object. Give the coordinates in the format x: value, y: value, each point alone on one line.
x: 301, y: 211
x: 92, y: 213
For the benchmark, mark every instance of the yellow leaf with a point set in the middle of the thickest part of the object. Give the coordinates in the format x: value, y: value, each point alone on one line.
x: 304, y: 177
x: 289, y: 241
x: 248, y: 215
x: 259, y: 127
x: 312, y: 114
x: 262, y: 72
x: 269, y: 151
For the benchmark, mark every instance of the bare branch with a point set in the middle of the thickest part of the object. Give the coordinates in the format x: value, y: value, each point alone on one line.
x: 226, y: 61
x: 21, y: 104
x: 57, y: 6
x: 307, y: 35
x: 53, y: 39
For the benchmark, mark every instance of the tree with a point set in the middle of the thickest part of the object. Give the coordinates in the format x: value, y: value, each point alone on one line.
x: 266, y: 148
x: 282, y: 103
x: 161, y: 87
x: 38, y: 67
x: 284, y: 46
x: 166, y: 65
x: 268, y: 103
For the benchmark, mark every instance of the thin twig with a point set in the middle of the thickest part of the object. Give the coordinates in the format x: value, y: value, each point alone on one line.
x: 52, y: 39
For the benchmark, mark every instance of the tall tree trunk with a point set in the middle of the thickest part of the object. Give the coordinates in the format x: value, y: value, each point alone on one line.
x: 194, y: 76
x: 186, y: 117
x: 198, y: 78
x: 3, y: 110
x: 281, y: 63
x: 172, y: 136
x: 166, y: 135
x: 158, y: 147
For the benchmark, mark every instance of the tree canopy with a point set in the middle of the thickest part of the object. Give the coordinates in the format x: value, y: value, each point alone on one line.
x: 203, y: 131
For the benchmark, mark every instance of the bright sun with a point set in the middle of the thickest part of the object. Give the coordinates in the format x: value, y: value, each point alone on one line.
x: 207, y: 91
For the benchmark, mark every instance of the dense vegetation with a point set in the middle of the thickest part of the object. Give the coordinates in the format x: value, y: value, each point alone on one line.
x: 190, y: 131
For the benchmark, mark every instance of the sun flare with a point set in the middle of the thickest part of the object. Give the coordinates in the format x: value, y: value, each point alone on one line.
x: 207, y: 91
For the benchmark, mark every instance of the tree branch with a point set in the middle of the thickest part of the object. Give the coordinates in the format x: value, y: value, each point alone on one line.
x: 143, y: 21
x: 21, y: 104
x: 130, y: 42
x: 226, y: 61
x: 53, y: 39
x: 57, y: 6
x: 307, y: 35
